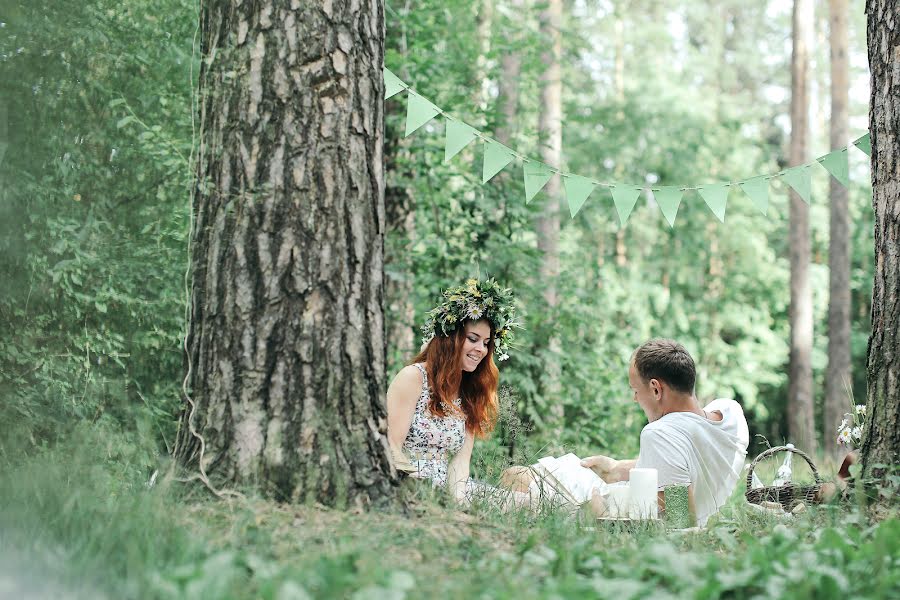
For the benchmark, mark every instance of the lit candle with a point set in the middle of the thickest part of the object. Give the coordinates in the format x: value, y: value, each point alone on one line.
x: 617, y: 500
x: 643, y: 485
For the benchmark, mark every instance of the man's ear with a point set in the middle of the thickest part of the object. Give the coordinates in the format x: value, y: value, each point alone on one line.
x: 657, y: 388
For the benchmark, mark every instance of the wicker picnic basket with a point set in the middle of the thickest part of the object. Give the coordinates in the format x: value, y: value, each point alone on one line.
x: 788, y: 494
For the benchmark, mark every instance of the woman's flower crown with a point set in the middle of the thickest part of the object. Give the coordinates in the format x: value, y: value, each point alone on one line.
x: 474, y: 301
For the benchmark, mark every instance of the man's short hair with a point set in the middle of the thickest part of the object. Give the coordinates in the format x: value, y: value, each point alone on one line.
x: 668, y: 361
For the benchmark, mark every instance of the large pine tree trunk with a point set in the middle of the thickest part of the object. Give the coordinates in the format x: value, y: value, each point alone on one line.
x: 550, y: 132
x: 838, y: 375
x: 286, y: 344
x: 881, y: 441
x: 801, y: 423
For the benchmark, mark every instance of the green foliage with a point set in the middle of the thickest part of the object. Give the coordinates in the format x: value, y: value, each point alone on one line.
x: 93, y: 206
x: 80, y: 517
x: 703, y: 97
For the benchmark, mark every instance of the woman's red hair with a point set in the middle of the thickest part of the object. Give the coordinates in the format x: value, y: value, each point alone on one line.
x: 477, y: 389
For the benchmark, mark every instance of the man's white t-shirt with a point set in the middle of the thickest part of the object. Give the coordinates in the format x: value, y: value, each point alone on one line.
x: 688, y: 449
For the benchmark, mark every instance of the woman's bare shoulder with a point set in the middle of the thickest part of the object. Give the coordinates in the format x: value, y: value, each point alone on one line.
x: 408, y: 377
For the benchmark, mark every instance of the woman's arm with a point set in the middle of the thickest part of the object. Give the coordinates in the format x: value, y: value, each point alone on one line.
x: 402, y: 395
x: 458, y: 469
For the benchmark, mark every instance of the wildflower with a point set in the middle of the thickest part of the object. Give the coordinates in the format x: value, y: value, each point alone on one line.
x: 856, y: 433
x: 860, y: 409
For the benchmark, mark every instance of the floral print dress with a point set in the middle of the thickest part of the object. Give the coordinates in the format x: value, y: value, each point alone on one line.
x: 432, y: 440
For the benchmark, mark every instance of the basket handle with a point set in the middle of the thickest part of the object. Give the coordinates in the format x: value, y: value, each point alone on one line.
x: 774, y: 450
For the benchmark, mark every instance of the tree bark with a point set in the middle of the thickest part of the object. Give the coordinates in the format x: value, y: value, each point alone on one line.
x: 286, y: 346
x: 838, y: 375
x: 550, y: 133
x: 801, y: 422
x: 881, y: 438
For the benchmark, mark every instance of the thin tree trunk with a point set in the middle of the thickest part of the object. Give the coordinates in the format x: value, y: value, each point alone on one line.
x: 801, y: 422
x: 400, y: 235
x: 550, y: 131
x: 485, y: 19
x: 838, y: 375
x: 508, y: 89
x: 619, y: 45
x: 286, y: 345
x: 881, y: 440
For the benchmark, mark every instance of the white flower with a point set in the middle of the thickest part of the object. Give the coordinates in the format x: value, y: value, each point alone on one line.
x: 503, y: 356
x: 475, y: 312
x: 842, y: 426
x: 844, y: 436
x: 856, y: 433
x: 860, y: 409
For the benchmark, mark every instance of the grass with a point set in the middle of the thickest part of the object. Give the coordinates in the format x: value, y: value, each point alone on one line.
x: 78, y: 521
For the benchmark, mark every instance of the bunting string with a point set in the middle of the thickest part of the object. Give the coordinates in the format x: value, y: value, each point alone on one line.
x: 577, y: 188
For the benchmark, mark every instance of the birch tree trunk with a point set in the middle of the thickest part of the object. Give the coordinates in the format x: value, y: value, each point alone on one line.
x: 286, y: 345
x: 881, y: 438
x: 838, y: 375
x: 801, y: 423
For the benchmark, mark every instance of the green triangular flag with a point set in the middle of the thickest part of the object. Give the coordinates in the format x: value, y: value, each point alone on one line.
x: 624, y: 198
x: 392, y: 84
x: 798, y: 178
x: 716, y: 197
x: 458, y: 137
x: 668, y: 198
x: 865, y: 144
x: 536, y: 177
x: 836, y: 164
x: 418, y: 112
x: 577, y: 191
x: 496, y: 156
x: 758, y: 190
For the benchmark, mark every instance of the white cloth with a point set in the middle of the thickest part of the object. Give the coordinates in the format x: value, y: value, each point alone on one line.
x: 564, y: 476
x: 688, y: 449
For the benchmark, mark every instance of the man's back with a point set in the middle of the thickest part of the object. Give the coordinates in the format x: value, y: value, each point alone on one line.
x: 686, y: 448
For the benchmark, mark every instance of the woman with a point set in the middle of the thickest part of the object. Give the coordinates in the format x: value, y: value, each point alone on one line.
x: 447, y: 396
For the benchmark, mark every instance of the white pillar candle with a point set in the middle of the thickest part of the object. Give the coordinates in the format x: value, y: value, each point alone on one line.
x: 643, y: 485
x: 617, y: 500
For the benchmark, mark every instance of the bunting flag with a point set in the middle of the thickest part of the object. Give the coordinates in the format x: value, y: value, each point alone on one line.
x: 392, y: 84
x: 758, y: 191
x: 668, y: 198
x: 577, y: 188
x: 716, y: 197
x: 418, y: 112
x: 577, y: 191
x: 537, y: 175
x: 496, y: 156
x: 624, y: 198
x: 798, y: 178
x: 458, y: 137
x: 836, y: 164
x: 865, y: 144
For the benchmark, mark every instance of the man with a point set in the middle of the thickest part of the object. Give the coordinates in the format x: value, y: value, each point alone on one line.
x: 703, y: 448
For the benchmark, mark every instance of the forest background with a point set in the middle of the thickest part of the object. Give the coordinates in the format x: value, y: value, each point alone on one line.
x: 96, y: 142
x: 96, y: 196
